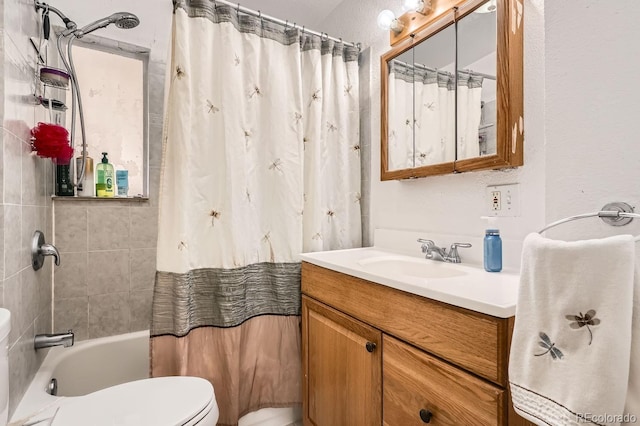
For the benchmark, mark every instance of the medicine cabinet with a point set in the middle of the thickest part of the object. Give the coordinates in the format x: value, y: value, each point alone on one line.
x: 452, y: 90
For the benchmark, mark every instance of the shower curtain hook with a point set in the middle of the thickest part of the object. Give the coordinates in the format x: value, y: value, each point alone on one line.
x: 215, y: 5
x: 238, y: 11
x: 303, y: 30
x: 286, y: 25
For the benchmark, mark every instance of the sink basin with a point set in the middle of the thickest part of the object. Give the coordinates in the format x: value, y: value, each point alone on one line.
x: 403, y: 265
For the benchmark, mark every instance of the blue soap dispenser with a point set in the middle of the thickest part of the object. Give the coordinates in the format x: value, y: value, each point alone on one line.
x: 492, y: 251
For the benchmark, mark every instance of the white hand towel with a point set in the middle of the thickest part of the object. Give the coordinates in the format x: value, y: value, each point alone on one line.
x: 570, y: 352
x: 632, y: 407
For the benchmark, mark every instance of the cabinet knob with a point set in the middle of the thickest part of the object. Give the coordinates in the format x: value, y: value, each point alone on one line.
x: 426, y: 415
x: 370, y: 346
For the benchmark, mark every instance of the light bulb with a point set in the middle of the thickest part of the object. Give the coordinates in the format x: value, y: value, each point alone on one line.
x: 411, y: 5
x: 385, y: 19
x: 488, y: 7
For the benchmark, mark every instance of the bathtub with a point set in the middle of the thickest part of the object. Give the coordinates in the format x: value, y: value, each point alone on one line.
x: 95, y: 364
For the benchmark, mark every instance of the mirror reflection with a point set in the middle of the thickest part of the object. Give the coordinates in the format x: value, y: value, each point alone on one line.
x: 435, y: 114
x: 434, y: 98
x: 400, y: 117
x: 476, y: 91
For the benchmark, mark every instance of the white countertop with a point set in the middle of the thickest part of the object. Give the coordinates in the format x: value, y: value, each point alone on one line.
x: 475, y: 289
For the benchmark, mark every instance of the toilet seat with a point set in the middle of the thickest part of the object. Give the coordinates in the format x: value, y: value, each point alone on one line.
x: 170, y: 401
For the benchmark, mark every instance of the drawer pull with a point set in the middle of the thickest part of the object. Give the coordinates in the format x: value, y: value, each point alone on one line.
x: 425, y: 415
x: 370, y: 346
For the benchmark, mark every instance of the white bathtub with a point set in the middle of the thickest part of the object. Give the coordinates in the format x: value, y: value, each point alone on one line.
x: 96, y: 364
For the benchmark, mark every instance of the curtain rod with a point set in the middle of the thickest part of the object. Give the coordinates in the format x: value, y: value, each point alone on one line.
x: 286, y: 24
x: 417, y: 65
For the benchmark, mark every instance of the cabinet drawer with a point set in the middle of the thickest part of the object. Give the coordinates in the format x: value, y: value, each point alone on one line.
x: 414, y: 381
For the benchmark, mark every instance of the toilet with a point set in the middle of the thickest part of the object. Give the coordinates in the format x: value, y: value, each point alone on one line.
x: 160, y: 401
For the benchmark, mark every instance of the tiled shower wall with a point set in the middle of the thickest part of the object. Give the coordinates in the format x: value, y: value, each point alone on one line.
x: 108, y: 248
x: 26, y: 205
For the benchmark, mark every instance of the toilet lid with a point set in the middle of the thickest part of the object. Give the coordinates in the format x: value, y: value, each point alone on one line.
x: 170, y: 401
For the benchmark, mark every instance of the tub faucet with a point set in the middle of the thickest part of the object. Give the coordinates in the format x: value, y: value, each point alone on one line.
x: 429, y: 248
x: 57, y: 339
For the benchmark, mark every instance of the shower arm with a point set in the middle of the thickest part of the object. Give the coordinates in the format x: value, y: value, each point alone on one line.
x: 71, y: 26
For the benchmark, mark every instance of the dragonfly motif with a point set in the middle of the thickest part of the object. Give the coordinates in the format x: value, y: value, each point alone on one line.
x: 430, y: 106
x: 297, y: 117
x: 182, y: 245
x: 545, y: 342
x: 212, y: 108
x: 579, y: 321
x: 179, y: 73
x: 315, y: 96
x: 276, y: 165
x: 256, y: 91
x: 236, y: 61
x: 347, y: 89
x: 214, y: 215
x: 356, y: 149
x: 332, y: 127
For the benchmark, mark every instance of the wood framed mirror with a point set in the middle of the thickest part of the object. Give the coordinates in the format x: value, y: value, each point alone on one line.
x: 452, y: 97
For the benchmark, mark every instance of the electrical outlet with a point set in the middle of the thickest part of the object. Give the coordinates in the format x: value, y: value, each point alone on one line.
x: 503, y: 200
x: 495, y: 200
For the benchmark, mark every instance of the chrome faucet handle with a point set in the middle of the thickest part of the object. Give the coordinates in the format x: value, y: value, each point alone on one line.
x: 426, y: 244
x: 50, y: 250
x: 453, y: 256
x: 40, y: 249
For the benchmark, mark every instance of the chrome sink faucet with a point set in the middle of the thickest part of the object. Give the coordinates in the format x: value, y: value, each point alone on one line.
x: 429, y: 248
x: 57, y: 339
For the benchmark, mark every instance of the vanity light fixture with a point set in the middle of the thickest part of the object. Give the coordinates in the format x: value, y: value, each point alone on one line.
x: 387, y: 21
x: 418, y: 6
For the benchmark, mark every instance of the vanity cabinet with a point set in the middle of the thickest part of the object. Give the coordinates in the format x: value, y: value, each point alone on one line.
x: 374, y: 355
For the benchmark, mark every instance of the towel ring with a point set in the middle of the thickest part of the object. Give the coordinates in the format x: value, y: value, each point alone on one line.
x: 617, y: 213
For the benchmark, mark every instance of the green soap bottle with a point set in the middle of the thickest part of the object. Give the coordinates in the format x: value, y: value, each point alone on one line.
x: 105, y: 178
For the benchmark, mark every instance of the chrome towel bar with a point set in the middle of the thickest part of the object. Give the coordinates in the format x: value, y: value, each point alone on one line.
x: 614, y: 214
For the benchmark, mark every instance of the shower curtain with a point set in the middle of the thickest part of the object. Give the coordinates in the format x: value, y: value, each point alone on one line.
x: 435, y: 117
x: 469, y: 114
x: 400, y: 116
x: 422, y: 101
x: 261, y: 161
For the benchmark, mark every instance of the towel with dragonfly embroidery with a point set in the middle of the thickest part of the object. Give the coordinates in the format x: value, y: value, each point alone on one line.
x: 570, y: 351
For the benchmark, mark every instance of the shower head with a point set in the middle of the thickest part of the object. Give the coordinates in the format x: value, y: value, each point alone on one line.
x: 124, y: 20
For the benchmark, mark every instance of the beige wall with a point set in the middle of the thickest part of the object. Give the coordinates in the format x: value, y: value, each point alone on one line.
x: 26, y: 205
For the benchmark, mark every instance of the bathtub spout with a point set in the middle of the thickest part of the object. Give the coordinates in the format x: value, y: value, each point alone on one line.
x: 57, y: 339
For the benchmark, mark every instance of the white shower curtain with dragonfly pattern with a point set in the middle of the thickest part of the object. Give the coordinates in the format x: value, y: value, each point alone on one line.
x: 261, y: 161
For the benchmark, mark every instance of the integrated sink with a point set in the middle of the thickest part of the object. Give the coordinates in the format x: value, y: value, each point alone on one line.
x: 393, y: 266
x: 464, y: 285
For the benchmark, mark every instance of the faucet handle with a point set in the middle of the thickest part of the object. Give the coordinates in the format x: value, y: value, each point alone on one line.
x: 454, y: 246
x: 453, y: 256
x: 426, y: 244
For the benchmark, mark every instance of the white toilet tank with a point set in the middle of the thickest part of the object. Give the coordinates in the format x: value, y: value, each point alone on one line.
x: 5, y: 327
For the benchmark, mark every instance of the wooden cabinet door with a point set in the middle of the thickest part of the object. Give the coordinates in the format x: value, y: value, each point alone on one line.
x: 342, y: 365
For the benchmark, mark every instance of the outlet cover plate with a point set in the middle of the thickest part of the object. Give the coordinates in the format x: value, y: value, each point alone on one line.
x: 509, y: 196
